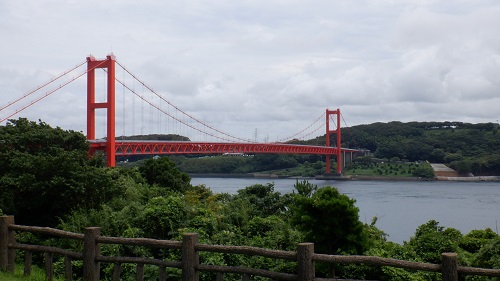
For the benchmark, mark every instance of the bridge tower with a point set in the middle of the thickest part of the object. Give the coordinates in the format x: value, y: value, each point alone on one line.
x: 109, y: 105
x: 335, y: 131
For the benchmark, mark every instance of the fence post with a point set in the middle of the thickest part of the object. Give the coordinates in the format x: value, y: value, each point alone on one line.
x: 7, y: 256
x: 68, y: 268
x: 28, y: 257
x: 305, y: 264
x: 162, y: 274
x: 91, y: 249
x: 449, y: 267
x: 139, y: 272
x: 190, y: 257
x: 49, y: 266
x: 117, y: 270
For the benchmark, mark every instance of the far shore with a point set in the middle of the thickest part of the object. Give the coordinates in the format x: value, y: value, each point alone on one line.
x: 349, y: 177
x: 470, y: 179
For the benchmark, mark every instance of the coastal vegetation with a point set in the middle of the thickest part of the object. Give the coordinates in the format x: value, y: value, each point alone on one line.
x: 467, y: 148
x: 47, y: 179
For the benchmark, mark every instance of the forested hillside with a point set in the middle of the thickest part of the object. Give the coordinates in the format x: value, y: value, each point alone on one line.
x: 466, y: 147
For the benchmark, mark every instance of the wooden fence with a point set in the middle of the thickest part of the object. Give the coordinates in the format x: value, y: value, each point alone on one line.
x: 189, y: 264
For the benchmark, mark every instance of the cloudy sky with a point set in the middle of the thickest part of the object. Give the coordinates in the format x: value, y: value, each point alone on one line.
x: 261, y: 69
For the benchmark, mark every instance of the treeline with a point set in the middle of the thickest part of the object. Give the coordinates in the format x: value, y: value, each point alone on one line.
x: 47, y: 179
x: 307, y: 165
x: 468, y: 148
x: 243, y: 164
x: 465, y: 147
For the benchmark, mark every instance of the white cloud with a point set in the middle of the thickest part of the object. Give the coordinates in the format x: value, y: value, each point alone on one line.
x: 242, y: 65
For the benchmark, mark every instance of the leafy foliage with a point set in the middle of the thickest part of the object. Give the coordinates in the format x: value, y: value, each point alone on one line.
x: 424, y: 171
x: 163, y: 217
x: 431, y: 240
x: 46, y: 171
x: 235, y: 164
x: 468, y: 147
x: 329, y: 219
x: 163, y: 172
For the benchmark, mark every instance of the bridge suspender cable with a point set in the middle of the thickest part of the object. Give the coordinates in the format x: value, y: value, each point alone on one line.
x: 297, y: 134
x: 202, y: 123
x: 227, y: 137
x: 349, y: 131
x: 46, y: 94
x: 40, y: 87
x: 171, y: 116
x: 180, y: 110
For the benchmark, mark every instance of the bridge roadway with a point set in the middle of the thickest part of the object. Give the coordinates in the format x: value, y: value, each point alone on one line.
x: 130, y: 147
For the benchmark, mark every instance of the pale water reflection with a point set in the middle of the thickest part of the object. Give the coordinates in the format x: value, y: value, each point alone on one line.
x: 401, y: 206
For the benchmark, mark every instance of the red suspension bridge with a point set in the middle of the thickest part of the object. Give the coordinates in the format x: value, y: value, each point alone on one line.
x: 225, y: 143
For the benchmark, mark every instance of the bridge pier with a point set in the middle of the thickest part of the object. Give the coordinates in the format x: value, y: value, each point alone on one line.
x: 109, y: 105
x: 337, y: 133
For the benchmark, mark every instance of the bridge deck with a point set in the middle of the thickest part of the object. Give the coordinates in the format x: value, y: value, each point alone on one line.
x: 185, y: 147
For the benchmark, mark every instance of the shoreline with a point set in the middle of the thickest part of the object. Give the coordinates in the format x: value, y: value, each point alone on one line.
x: 469, y: 179
x: 349, y: 177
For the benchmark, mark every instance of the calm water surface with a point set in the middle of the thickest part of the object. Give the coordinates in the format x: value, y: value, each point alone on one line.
x: 401, y: 206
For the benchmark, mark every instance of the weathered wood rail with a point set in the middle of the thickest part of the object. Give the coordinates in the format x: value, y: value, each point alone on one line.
x: 190, y: 264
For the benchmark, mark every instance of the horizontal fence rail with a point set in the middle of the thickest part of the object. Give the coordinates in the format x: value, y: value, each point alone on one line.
x: 189, y: 264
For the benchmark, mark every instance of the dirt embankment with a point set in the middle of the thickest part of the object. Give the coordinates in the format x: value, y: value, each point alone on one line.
x: 441, y: 170
x: 445, y: 173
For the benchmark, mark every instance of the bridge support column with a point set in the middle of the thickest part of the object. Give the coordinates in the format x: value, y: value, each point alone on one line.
x: 337, y: 133
x: 109, y: 105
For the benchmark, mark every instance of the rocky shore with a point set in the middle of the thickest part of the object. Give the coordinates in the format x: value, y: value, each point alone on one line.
x: 443, y: 173
x: 469, y: 179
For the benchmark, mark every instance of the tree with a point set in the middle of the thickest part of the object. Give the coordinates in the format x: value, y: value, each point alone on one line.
x: 431, y: 240
x: 475, y: 239
x: 462, y: 167
x: 305, y: 188
x: 489, y: 255
x: 262, y: 162
x: 164, y: 216
x: 163, y: 172
x: 264, y: 201
x: 417, y: 150
x: 424, y: 171
x: 46, y: 171
x: 390, y: 148
x: 437, y: 155
x: 330, y: 220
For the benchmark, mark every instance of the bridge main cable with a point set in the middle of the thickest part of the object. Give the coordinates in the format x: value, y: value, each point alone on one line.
x: 182, y: 111
x: 173, y: 117
x: 294, y: 135
x: 41, y: 87
x: 46, y: 94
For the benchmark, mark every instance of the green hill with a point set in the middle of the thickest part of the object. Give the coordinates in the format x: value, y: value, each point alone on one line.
x: 467, y: 148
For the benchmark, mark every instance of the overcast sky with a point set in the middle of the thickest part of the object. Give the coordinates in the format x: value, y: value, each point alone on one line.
x: 265, y: 67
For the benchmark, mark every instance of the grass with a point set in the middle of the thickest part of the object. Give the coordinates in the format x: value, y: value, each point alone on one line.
x: 37, y: 274
x: 383, y: 169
